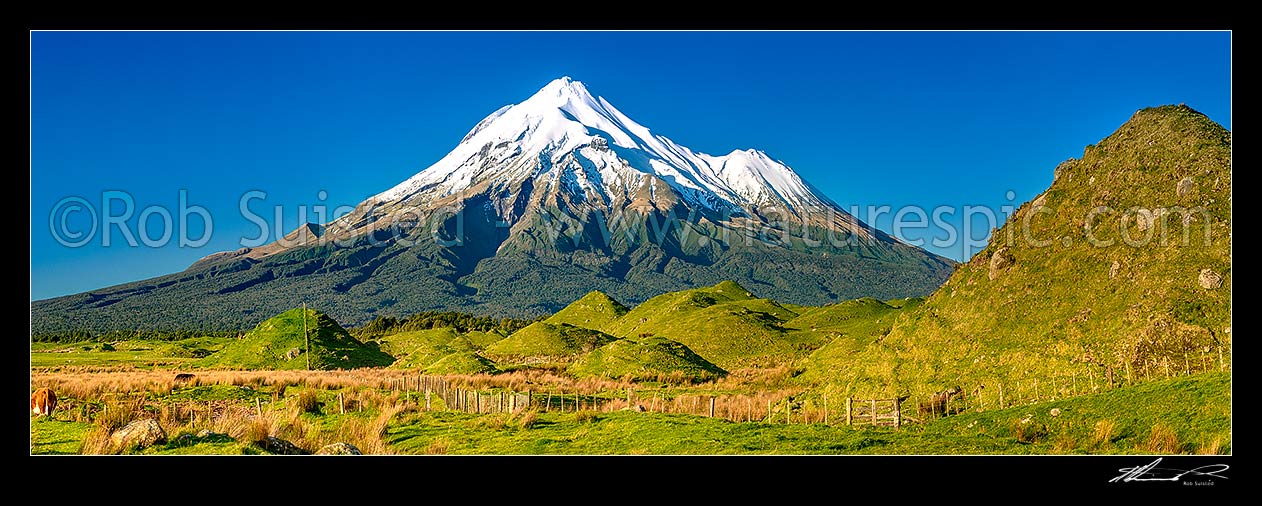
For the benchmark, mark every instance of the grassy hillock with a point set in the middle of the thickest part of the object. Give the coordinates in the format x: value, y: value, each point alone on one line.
x: 462, y: 362
x: 1123, y: 272
x: 645, y: 358
x: 851, y: 326
x: 543, y: 342
x: 724, y: 323
x: 593, y: 311
x: 422, y: 348
x: 278, y: 343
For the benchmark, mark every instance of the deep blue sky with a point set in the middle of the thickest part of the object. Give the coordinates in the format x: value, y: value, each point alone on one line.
x: 885, y: 118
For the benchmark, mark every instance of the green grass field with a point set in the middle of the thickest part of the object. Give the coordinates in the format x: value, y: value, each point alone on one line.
x: 138, y: 353
x: 1180, y: 415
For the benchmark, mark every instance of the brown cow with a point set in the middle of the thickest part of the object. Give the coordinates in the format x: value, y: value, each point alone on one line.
x: 43, y: 402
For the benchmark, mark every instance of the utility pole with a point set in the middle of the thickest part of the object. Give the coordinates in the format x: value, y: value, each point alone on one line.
x: 305, y: 337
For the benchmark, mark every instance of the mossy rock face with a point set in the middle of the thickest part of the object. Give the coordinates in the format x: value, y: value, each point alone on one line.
x: 278, y: 343
x: 1122, y: 267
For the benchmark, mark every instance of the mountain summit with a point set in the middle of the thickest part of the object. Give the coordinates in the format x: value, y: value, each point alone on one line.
x: 540, y: 203
x: 567, y: 137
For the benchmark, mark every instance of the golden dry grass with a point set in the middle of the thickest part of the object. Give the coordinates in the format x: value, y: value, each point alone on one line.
x: 89, y: 383
x: 112, y: 398
x: 1162, y: 439
x: 1102, y: 433
x: 1211, y: 447
x: 98, y: 395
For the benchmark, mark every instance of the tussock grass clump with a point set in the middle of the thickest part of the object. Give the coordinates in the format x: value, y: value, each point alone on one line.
x: 493, y: 422
x: 528, y: 419
x: 256, y: 430
x: 1065, y: 442
x: 119, y: 413
x: 1027, y: 431
x: 437, y: 447
x: 1162, y: 439
x: 307, y: 401
x: 97, y: 442
x: 1102, y: 433
x: 1211, y: 447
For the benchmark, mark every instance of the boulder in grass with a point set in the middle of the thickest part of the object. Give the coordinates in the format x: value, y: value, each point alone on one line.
x: 339, y: 449
x: 139, y: 434
x: 281, y: 447
x: 1209, y: 279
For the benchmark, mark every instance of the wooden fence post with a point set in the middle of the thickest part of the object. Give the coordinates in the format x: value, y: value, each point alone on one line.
x: 427, y: 400
x: 873, y: 411
x: 258, y: 408
x: 898, y: 413
x: 711, y: 407
x: 1220, y: 359
x: 786, y: 410
x: 341, y: 404
x: 825, y: 409
x: 849, y: 400
x: 1001, y: 404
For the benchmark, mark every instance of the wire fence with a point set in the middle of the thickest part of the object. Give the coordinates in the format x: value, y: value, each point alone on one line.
x: 789, y: 406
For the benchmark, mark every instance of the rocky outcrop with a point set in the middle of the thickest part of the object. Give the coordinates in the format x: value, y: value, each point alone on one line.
x: 999, y: 261
x: 339, y: 449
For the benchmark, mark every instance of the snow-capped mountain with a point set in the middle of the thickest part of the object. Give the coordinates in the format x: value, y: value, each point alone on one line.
x: 566, y: 142
x: 563, y: 130
x: 539, y: 203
